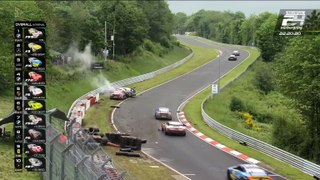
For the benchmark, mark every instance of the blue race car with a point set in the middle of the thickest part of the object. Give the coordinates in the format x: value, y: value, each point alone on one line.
x: 247, y: 172
x: 34, y: 62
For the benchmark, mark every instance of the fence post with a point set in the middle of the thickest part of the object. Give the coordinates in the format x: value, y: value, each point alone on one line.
x: 51, y: 147
x: 63, y: 158
x: 76, y: 167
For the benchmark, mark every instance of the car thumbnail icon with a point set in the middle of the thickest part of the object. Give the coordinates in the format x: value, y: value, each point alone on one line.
x: 35, y: 105
x: 35, y: 33
x: 34, y: 120
x: 35, y: 148
x: 35, y: 162
x: 34, y: 134
x: 34, y: 62
x: 36, y: 77
x: 35, y: 91
x: 34, y: 47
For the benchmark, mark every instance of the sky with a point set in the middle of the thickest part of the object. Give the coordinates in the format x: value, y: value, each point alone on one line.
x: 247, y: 7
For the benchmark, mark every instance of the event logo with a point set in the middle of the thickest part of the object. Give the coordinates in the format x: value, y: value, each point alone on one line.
x: 296, y: 22
x: 293, y: 20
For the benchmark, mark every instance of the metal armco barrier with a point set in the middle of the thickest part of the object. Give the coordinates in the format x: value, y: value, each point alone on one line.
x: 293, y: 160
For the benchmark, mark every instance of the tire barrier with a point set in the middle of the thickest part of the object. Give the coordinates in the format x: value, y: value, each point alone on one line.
x: 129, y: 154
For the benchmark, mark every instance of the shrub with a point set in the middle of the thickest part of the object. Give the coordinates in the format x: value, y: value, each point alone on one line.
x: 264, y: 79
x: 236, y: 104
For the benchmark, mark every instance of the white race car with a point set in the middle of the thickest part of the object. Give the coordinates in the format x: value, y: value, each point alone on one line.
x: 34, y: 119
x: 35, y: 91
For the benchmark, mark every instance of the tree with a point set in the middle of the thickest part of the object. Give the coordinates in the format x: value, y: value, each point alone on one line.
x: 180, y: 21
x: 266, y: 41
x: 298, y: 76
x: 312, y: 21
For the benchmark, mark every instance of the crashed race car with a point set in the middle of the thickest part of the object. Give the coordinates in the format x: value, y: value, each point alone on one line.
x: 118, y: 95
x: 173, y: 128
x: 130, y: 92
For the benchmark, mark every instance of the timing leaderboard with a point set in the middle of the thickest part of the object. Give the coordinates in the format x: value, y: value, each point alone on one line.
x: 30, y: 96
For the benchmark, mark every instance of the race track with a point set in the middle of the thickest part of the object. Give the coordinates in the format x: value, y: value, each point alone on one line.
x: 189, y: 155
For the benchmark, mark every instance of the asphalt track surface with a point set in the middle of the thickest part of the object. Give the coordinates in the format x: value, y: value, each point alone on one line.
x: 189, y: 155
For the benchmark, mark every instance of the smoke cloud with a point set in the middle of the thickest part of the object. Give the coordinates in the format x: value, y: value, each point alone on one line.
x: 84, y: 59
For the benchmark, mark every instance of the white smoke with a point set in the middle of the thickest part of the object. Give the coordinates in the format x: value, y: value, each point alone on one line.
x: 104, y: 84
x: 84, y: 58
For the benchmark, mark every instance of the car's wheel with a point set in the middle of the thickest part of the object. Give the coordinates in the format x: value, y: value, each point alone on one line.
x: 184, y: 134
x: 228, y: 175
x: 166, y: 133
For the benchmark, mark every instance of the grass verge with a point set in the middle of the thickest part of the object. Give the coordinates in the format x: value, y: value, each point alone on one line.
x: 99, y: 115
x: 193, y: 112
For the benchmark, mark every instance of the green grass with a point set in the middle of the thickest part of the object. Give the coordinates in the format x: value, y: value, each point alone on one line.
x: 62, y: 93
x: 7, y: 166
x: 143, y: 168
x: 193, y: 113
x: 99, y: 114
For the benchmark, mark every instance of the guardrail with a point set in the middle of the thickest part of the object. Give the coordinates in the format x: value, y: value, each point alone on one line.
x: 293, y: 160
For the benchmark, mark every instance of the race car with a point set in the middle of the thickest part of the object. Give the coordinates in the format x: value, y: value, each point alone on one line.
x: 34, y: 62
x: 163, y: 113
x: 232, y: 58
x: 118, y: 94
x: 35, y: 91
x: 35, y: 76
x: 130, y: 92
x: 35, y: 162
x: 236, y: 53
x: 35, y: 148
x: 35, y: 33
x: 35, y: 105
x: 247, y: 171
x: 34, y: 47
x: 34, y: 134
x: 173, y: 127
x: 34, y: 119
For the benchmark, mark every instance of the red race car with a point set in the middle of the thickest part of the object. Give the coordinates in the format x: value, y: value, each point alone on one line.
x: 173, y: 127
x: 35, y: 76
x: 35, y: 148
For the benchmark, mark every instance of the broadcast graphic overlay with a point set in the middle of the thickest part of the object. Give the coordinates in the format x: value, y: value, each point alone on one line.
x: 30, y: 96
x: 297, y: 22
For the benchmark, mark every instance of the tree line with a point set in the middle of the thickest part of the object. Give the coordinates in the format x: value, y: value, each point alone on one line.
x: 293, y: 69
x: 135, y: 24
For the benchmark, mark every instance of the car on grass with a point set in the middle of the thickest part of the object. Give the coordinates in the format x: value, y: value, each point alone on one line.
x: 163, y: 113
x: 130, y: 92
x: 173, y: 128
x: 247, y: 172
x: 118, y: 95
x: 236, y: 53
x: 232, y: 58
